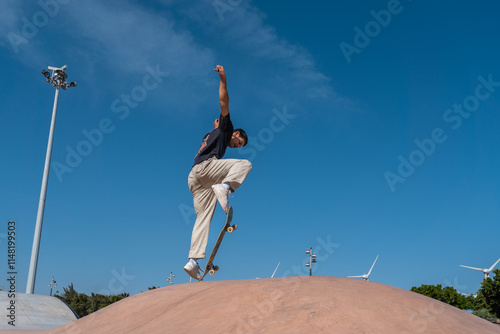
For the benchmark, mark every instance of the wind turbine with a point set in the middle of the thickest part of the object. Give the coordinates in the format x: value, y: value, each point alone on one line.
x: 486, y: 272
x: 273, y: 272
x: 366, y: 276
x: 467, y: 294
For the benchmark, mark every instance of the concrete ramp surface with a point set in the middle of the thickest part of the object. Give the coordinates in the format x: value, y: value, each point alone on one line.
x: 31, y: 311
x: 280, y: 305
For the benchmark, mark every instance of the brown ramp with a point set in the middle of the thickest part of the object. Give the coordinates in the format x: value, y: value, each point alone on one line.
x: 280, y: 305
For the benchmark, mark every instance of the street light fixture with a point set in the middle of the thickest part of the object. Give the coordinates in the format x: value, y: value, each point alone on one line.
x: 57, y: 79
x: 169, y: 279
x: 312, y: 259
x: 53, y: 286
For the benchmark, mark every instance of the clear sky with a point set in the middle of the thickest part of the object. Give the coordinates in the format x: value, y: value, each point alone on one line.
x: 373, y: 131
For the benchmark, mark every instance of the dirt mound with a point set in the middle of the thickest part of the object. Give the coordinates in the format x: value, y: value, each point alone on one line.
x: 280, y: 305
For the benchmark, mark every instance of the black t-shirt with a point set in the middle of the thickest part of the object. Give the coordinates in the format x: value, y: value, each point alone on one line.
x: 217, y: 141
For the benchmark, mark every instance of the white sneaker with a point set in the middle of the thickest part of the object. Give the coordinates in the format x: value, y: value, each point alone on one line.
x: 193, y: 269
x: 222, y: 196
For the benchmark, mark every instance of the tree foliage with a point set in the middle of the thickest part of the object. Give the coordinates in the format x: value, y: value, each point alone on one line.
x: 483, y: 313
x: 84, y: 305
x: 486, y: 302
x: 447, y: 295
x: 490, y: 290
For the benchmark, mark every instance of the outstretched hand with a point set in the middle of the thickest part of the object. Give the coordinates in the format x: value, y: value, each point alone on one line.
x: 221, y: 71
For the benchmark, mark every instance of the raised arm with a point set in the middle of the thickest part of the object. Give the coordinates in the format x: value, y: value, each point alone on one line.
x: 223, y: 96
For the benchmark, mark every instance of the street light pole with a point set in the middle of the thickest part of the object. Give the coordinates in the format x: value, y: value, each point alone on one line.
x: 58, y: 80
x: 170, y: 278
x: 312, y: 259
x: 53, y: 286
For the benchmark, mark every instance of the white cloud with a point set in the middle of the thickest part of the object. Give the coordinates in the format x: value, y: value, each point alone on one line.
x: 100, y: 38
x: 244, y: 28
x: 109, y: 45
x: 9, y: 12
x: 128, y: 38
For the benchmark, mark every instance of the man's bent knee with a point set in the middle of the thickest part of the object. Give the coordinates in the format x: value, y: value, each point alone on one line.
x: 247, y: 164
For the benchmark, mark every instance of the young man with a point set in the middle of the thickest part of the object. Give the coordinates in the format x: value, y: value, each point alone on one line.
x: 212, y: 178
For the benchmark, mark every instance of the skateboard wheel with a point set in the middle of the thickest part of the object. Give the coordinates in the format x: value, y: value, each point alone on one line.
x: 216, y: 268
x: 230, y: 229
x: 235, y: 227
x: 211, y: 272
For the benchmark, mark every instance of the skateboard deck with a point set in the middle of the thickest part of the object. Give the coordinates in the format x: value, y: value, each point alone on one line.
x: 210, y: 268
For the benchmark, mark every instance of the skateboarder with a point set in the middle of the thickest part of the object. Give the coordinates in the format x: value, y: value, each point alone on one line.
x: 212, y: 178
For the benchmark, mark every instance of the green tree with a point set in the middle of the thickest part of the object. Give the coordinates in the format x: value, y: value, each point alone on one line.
x: 483, y: 313
x: 490, y: 290
x: 447, y: 295
x: 478, y: 302
x: 84, y: 305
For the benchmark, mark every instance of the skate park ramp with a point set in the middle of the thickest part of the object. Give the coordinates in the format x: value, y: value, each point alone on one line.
x: 31, y: 311
x: 279, y: 305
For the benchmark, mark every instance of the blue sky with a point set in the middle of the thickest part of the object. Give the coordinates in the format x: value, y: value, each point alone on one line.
x: 373, y: 130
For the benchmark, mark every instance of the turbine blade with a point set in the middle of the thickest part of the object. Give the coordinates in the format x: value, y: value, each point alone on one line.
x: 372, y: 266
x: 361, y: 276
x: 493, y: 266
x: 480, y: 269
x: 275, y: 269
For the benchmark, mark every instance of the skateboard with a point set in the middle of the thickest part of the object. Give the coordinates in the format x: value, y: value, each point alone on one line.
x: 210, y: 268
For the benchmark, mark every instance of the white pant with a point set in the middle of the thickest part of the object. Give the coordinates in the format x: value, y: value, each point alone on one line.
x: 200, y: 181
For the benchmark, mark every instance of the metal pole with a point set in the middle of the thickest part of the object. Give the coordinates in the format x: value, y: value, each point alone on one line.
x: 310, y: 262
x: 53, y: 285
x: 30, y: 286
x: 312, y: 259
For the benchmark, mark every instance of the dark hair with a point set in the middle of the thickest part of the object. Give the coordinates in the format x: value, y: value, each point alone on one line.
x: 243, y: 135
